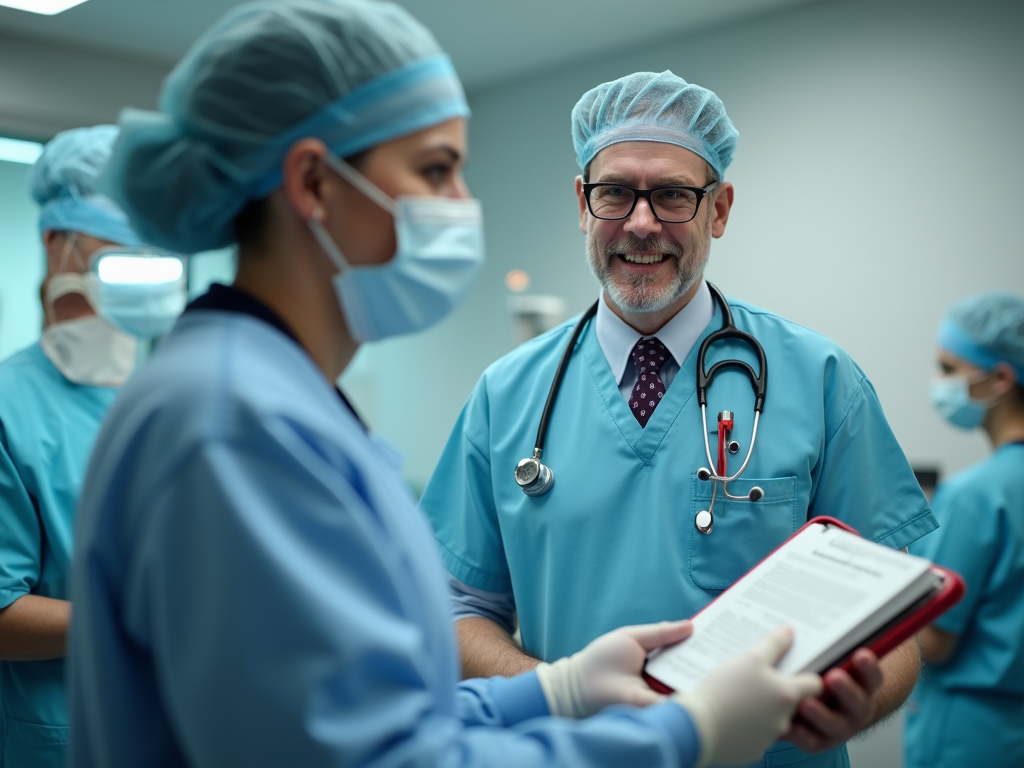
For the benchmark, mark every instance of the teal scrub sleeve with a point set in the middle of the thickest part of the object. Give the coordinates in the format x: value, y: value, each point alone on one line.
x: 864, y: 478
x: 460, y: 504
x: 968, y: 543
x: 265, y: 586
x: 21, y: 533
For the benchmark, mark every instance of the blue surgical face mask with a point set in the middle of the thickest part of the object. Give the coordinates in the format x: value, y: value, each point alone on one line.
x: 952, y: 399
x: 440, y: 252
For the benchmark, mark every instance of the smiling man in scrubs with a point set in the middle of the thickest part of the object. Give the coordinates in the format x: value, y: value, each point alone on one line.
x: 53, y: 397
x: 614, y: 542
x: 968, y: 708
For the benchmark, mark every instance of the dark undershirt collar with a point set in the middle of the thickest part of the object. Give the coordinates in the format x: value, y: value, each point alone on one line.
x: 224, y: 298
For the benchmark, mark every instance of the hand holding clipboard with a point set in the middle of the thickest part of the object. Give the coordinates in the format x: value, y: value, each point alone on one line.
x: 839, y: 593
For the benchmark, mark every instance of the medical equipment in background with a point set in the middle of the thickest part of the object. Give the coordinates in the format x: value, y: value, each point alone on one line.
x: 533, y: 315
x: 536, y: 478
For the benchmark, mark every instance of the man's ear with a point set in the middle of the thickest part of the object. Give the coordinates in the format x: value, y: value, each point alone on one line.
x: 54, y: 242
x: 723, y: 204
x: 582, y: 203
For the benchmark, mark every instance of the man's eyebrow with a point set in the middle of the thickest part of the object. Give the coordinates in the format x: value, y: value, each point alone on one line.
x: 664, y: 181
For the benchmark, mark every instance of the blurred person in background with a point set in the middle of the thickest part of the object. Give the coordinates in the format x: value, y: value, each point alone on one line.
x: 968, y: 708
x: 53, y: 397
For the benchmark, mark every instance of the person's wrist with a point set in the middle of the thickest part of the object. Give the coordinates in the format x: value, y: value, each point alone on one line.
x: 561, y: 688
x: 703, y: 723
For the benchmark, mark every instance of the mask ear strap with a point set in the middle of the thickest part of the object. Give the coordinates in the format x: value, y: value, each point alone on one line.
x: 70, y: 243
x: 323, y: 237
x: 360, y: 182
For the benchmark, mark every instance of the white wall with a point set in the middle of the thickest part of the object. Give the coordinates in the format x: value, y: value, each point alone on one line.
x: 47, y: 88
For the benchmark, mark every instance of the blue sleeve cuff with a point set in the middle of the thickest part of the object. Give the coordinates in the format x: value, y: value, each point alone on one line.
x: 519, y: 698
x: 922, y: 523
x: 676, y: 721
x: 470, y: 602
x: 9, y: 594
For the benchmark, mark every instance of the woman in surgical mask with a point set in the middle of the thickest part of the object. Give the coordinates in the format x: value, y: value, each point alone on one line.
x: 254, y: 584
x: 53, y: 397
x: 968, y: 708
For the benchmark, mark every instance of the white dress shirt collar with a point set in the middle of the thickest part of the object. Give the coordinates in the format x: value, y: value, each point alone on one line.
x: 617, y: 338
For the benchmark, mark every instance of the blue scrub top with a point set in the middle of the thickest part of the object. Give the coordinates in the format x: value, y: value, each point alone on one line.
x: 614, y: 542
x: 47, y: 429
x: 254, y: 587
x: 981, y: 512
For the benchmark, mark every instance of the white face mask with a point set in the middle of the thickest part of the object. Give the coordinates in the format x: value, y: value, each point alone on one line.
x: 440, y: 252
x: 88, y: 350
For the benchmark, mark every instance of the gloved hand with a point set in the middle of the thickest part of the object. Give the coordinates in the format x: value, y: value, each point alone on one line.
x: 745, y: 704
x: 608, y: 670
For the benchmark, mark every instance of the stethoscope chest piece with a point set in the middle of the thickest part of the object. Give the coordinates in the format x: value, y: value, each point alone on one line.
x: 704, y: 521
x: 533, y: 477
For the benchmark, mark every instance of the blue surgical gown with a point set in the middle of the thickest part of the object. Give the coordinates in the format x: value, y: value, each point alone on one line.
x: 614, y: 541
x: 47, y: 428
x: 970, y: 710
x: 255, y: 587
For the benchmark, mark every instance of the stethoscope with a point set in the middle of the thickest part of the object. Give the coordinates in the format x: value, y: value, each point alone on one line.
x: 536, y: 478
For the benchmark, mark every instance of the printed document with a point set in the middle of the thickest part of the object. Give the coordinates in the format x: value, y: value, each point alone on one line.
x: 834, y: 588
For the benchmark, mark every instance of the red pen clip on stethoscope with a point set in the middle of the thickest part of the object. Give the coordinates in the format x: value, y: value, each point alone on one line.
x: 705, y: 519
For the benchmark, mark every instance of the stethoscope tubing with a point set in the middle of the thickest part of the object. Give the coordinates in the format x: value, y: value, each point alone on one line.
x: 537, y: 479
x: 556, y: 384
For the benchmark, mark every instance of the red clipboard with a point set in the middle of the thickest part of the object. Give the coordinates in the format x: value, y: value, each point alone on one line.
x: 889, y: 637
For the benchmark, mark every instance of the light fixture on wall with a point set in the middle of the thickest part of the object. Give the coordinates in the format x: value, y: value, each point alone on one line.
x: 45, y: 7
x: 18, y: 151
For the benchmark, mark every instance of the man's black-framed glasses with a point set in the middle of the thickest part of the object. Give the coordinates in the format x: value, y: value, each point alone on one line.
x: 670, y: 205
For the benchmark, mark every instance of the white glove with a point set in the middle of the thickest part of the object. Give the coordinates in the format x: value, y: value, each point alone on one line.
x: 745, y: 704
x: 608, y: 670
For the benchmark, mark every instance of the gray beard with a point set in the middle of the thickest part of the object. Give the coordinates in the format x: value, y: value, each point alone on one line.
x: 637, y: 293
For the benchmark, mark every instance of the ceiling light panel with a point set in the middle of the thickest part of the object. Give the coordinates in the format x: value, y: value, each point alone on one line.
x: 45, y: 7
x: 17, y: 151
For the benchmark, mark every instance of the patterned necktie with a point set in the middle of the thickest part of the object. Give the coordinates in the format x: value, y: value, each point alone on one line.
x: 648, y: 356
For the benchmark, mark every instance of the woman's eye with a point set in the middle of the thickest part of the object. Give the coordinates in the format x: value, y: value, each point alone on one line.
x: 437, y: 174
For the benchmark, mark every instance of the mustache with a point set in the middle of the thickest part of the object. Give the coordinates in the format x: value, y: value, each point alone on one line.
x: 634, y: 243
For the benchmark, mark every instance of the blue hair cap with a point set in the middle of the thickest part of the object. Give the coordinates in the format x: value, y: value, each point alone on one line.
x: 63, y: 183
x: 985, y: 330
x: 352, y: 73
x: 653, y: 106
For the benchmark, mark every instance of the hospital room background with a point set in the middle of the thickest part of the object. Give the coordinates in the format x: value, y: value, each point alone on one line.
x: 878, y: 177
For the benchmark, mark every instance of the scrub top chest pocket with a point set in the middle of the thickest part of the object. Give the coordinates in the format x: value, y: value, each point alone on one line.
x: 744, y: 531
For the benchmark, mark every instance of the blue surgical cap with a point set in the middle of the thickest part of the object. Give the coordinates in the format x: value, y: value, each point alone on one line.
x: 985, y: 330
x: 353, y: 73
x: 651, y: 106
x: 63, y: 183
